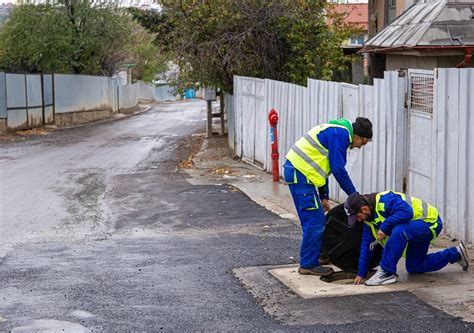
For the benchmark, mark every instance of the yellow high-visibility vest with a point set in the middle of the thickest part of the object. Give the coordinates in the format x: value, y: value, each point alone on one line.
x: 310, y: 157
x: 421, y: 211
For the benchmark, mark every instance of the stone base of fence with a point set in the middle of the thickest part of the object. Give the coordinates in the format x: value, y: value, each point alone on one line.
x: 129, y: 110
x: 82, y: 117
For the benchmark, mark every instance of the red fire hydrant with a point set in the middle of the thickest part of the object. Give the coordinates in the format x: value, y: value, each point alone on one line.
x: 273, y: 119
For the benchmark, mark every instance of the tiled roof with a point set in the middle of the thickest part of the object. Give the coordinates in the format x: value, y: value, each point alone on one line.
x: 357, y: 14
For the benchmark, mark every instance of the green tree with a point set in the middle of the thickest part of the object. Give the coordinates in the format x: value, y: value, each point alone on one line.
x: 74, y: 36
x: 285, y: 40
x: 145, y: 54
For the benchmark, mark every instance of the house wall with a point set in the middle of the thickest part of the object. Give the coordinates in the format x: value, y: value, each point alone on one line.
x: 397, y: 61
x: 402, y: 5
x: 379, y: 12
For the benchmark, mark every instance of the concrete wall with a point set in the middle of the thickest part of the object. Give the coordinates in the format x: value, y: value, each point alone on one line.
x: 395, y: 61
x: 83, y: 117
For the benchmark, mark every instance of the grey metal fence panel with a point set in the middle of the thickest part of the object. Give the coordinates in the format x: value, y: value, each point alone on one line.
x: 325, y: 104
x: 48, y: 88
x: 128, y: 96
x: 33, y: 90
x: 3, y: 96
x: 16, y: 88
x: 238, y: 116
x: 113, y: 93
x: 229, y: 110
x: 165, y: 93
x: 261, y: 124
x: 81, y: 93
x: 48, y: 96
x: 453, y: 179
x: 34, y: 100
x: 145, y: 91
x: 16, y: 118
x: 249, y: 98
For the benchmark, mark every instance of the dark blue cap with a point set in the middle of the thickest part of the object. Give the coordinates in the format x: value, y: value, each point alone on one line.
x: 352, y: 206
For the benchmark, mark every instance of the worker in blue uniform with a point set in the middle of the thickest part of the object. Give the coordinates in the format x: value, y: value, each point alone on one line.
x: 322, y: 151
x: 405, y: 226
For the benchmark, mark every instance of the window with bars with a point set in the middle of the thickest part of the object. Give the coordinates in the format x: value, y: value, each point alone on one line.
x: 421, y: 93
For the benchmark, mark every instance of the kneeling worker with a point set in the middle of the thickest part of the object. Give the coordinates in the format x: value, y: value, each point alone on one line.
x: 411, y: 224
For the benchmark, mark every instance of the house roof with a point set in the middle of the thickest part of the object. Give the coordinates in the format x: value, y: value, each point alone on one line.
x: 428, y: 23
x: 357, y: 14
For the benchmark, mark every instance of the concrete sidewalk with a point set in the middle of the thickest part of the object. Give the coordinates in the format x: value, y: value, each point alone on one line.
x: 450, y: 290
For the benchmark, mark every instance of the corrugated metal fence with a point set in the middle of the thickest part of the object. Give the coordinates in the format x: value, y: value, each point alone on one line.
x: 30, y: 100
x: 382, y: 164
x: 453, y: 142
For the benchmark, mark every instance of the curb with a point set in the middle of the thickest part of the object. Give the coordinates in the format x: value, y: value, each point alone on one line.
x: 104, y: 120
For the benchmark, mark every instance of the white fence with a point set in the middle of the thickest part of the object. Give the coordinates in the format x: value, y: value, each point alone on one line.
x: 453, y: 143
x: 382, y: 164
x: 31, y: 100
x: 81, y: 93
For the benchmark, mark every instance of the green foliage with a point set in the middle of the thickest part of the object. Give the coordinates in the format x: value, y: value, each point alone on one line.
x: 145, y: 54
x: 80, y: 37
x: 285, y: 40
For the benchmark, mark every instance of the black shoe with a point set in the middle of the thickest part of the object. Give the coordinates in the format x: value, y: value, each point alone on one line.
x: 318, y: 271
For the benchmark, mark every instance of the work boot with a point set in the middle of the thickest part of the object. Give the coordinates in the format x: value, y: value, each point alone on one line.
x: 318, y: 270
x: 323, y: 259
x: 464, y: 260
x: 381, y: 278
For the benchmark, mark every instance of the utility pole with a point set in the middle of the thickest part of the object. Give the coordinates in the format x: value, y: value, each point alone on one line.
x: 221, y: 95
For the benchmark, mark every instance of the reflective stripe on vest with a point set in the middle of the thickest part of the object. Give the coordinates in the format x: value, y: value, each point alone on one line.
x: 421, y: 211
x: 310, y: 157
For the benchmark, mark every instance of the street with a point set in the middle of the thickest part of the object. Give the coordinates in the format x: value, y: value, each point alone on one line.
x: 100, y: 231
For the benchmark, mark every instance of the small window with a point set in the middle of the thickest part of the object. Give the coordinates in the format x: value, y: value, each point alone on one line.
x: 421, y: 93
x: 357, y: 40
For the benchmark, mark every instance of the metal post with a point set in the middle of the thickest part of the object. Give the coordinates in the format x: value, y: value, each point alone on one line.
x: 209, y: 119
x: 26, y: 103
x: 53, y: 88
x: 42, y: 99
x: 222, y: 113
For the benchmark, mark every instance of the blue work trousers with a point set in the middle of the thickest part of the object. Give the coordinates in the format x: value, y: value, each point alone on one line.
x: 310, y: 212
x: 417, y: 235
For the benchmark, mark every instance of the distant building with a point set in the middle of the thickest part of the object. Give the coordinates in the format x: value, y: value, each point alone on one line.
x: 356, y: 14
x: 5, y: 12
x: 427, y: 35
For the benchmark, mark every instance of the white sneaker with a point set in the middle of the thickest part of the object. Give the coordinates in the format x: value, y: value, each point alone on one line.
x: 464, y: 260
x: 381, y: 278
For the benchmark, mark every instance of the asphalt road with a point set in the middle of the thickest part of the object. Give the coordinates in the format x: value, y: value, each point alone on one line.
x: 101, y: 232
